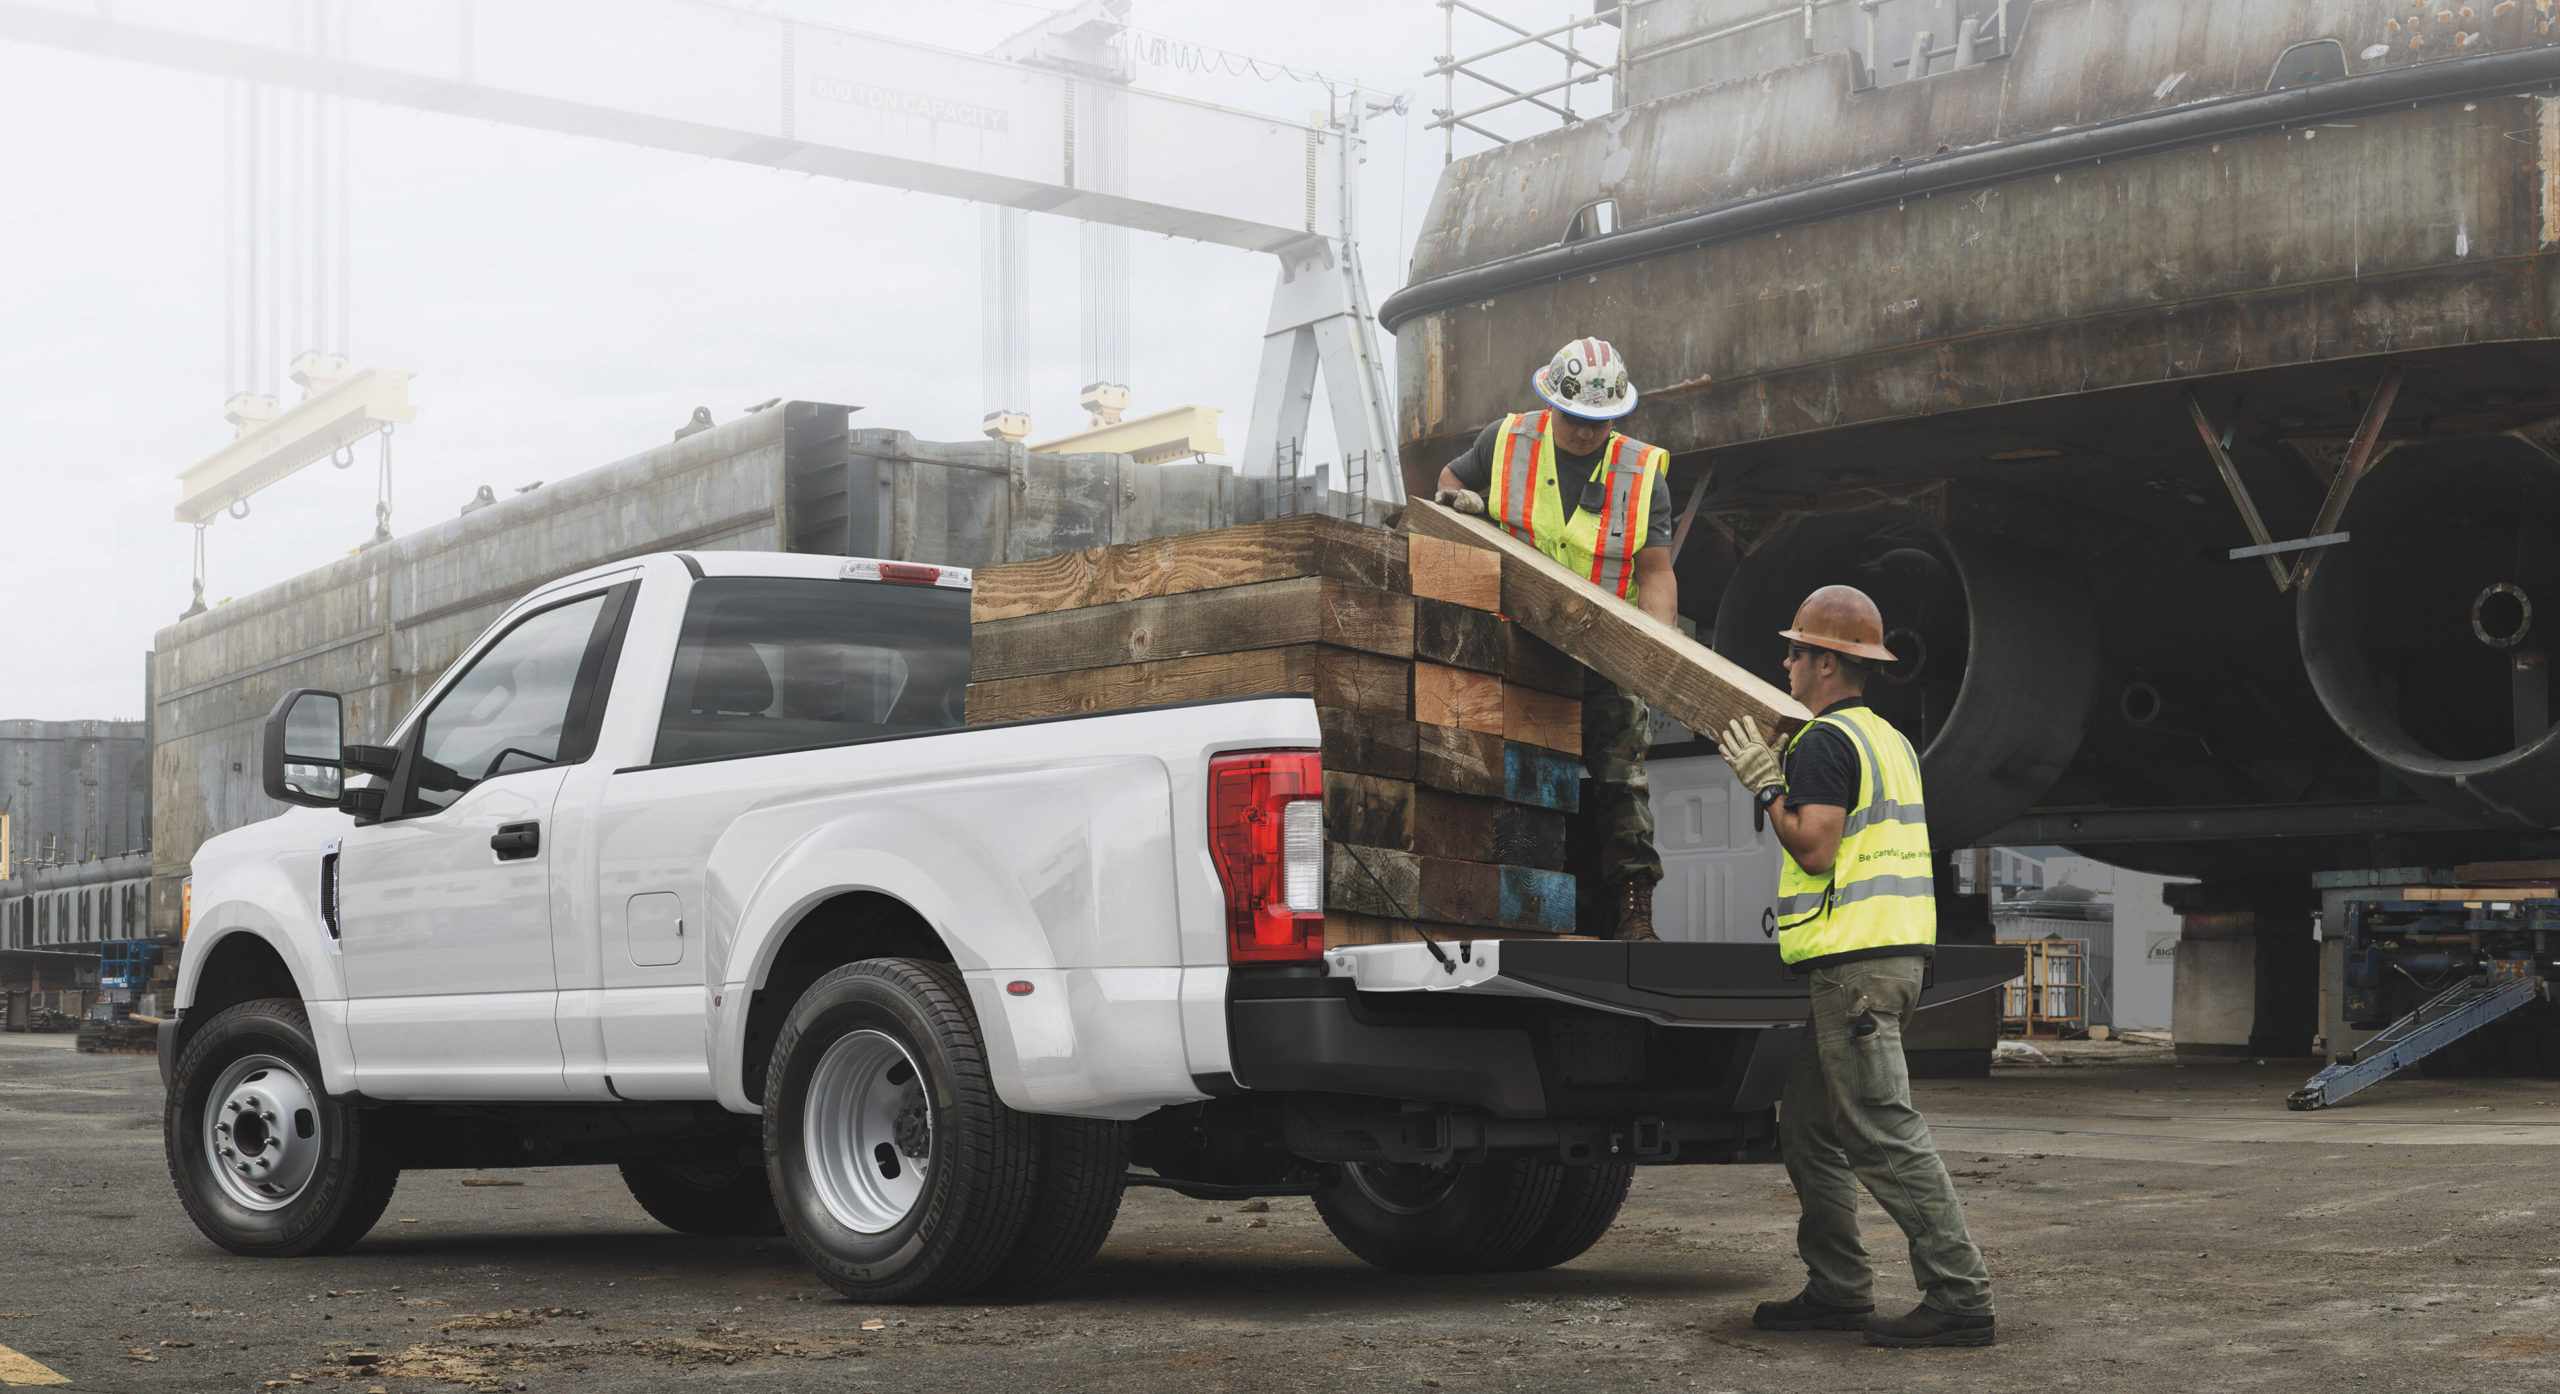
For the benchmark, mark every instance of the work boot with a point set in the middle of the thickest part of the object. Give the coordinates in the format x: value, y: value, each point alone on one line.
x: 1802, y: 1313
x: 1635, y: 913
x: 1925, y: 1325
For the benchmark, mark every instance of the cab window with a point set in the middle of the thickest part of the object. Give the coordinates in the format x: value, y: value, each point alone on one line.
x: 775, y: 663
x: 510, y: 710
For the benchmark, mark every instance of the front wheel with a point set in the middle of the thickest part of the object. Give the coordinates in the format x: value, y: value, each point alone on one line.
x: 901, y: 1177
x: 1466, y: 1217
x: 264, y: 1161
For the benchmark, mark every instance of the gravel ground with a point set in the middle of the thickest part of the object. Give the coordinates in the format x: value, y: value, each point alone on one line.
x: 2149, y: 1227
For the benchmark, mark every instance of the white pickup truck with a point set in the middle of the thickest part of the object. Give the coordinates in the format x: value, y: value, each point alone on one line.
x: 689, y: 866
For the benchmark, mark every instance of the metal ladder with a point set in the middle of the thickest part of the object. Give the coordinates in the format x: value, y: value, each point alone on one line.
x: 2501, y: 987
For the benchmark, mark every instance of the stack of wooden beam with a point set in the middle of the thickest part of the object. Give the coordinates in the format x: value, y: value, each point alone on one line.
x: 1451, y: 737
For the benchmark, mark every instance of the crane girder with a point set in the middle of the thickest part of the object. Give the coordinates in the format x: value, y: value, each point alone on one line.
x: 703, y: 79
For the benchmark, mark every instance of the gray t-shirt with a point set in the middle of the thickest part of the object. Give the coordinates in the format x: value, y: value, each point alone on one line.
x: 1475, y: 470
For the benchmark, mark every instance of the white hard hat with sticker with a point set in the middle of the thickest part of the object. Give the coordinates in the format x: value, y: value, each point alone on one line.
x: 1588, y: 379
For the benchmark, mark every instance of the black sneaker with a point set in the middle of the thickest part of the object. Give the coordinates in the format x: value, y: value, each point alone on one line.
x: 1925, y: 1325
x: 1802, y: 1313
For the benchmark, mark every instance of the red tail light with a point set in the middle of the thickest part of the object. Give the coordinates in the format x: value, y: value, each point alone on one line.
x: 910, y: 573
x: 1266, y: 830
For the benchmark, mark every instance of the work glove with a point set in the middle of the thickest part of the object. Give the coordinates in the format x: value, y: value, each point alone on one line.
x: 1754, y: 763
x: 1462, y: 500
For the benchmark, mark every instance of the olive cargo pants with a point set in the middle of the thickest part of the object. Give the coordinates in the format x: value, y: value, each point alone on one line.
x: 1617, y: 729
x: 1846, y: 1118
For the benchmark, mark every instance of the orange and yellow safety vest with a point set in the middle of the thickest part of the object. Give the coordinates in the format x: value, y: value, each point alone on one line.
x: 1525, y: 499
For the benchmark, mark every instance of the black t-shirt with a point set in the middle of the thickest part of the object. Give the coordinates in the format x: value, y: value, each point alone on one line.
x: 1823, y: 768
x: 1475, y: 470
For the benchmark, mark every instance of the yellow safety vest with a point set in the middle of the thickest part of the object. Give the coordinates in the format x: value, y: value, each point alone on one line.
x: 1524, y: 499
x: 1880, y: 893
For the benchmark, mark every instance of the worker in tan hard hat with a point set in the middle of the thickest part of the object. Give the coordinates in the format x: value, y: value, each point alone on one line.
x: 1613, y: 528
x: 1857, y: 912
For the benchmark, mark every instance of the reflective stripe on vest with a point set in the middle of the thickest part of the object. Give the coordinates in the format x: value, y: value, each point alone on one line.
x: 1881, y: 892
x: 1524, y: 497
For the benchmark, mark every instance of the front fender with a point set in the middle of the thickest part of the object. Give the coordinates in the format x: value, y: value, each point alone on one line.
x: 325, y: 1005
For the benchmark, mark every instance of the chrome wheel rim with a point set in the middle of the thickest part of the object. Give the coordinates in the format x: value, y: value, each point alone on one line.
x: 1402, y: 1188
x: 869, y: 1140
x: 262, y: 1132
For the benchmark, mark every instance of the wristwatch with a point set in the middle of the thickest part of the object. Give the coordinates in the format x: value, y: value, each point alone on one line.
x: 1761, y: 803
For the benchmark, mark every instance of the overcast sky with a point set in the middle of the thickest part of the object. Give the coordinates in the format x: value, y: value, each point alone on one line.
x: 564, y: 301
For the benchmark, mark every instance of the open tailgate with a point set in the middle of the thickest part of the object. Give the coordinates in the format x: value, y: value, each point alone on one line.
x: 1675, y: 984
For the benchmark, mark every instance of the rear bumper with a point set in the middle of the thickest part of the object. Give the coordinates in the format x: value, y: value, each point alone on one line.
x: 1675, y: 984
x: 1510, y: 1057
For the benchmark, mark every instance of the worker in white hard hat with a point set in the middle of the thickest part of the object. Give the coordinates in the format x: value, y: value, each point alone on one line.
x: 1615, y: 529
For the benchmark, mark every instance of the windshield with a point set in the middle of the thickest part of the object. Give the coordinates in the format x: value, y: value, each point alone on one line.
x: 770, y: 663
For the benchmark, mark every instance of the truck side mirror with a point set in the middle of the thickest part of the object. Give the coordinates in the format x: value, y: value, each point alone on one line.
x: 299, y: 761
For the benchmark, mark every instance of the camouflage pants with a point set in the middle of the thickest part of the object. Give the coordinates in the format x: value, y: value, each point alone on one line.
x: 1616, y: 731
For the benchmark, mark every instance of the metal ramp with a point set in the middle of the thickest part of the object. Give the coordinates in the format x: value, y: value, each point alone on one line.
x: 2456, y: 1012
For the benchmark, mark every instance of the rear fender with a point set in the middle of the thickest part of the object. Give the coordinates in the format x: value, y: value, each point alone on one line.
x: 1061, y: 879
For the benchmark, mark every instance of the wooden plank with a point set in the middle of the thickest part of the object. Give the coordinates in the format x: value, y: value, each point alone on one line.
x: 1444, y: 570
x: 1445, y: 696
x: 1266, y: 615
x: 1533, y: 662
x: 1363, y: 682
x: 1699, y: 688
x: 1400, y: 885
x: 1338, y: 678
x: 1540, y: 778
x: 1343, y: 929
x: 1454, y: 825
x: 1459, y: 761
x: 1487, y: 830
x: 1541, y: 718
x: 1282, y: 548
x: 1369, y: 811
x: 1530, y: 837
x: 1532, y: 896
x: 1372, y: 881
x: 1461, y: 637
x: 1489, y: 896
x: 1467, y: 893
x: 1359, y: 743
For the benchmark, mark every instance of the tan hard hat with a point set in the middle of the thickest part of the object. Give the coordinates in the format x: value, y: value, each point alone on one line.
x: 1843, y: 619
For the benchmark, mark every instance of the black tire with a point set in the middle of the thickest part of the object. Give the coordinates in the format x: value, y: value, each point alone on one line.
x: 976, y: 1155
x: 704, y: 1197
x: 1588, y: 1199
x: 1084, y: 1168
x: 1470, y: 1217
x: 266, y: 1046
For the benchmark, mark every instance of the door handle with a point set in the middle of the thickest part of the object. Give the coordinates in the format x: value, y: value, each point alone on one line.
x: 514, y: 842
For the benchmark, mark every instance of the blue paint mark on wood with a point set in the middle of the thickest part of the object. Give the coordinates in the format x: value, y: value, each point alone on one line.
x: 1541, y: 778
x: 1534, y: 899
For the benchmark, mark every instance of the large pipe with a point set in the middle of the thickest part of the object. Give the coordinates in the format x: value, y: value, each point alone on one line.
x: 2420, y: 633
x: 1997, y: 648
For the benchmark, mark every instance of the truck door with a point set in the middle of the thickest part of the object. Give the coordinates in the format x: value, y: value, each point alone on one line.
x: 445, y: 925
